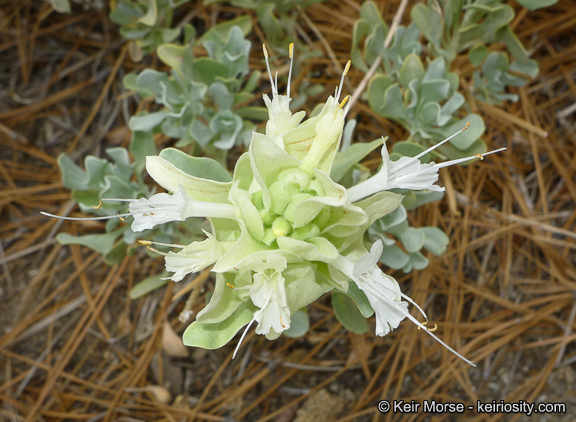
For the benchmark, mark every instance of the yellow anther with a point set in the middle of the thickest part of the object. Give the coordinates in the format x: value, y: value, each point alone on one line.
x: 347, y: 68
x: 99, y: 205
x: 344, y: 101
x: 479, y: 156
x: 229, y: 285
x: 265, y: 51
x: 429, y: 329
x: 467, y: 126
x: 144, y: 242
x: 291, y: 49
x: 121, y: 218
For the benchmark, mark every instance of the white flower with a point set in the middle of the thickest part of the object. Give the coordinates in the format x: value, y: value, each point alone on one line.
x: 268, y: 292
x: 383, y: 293
x: 163, y: 208
x: 407, y: 173
x: 280, y: 118
x: 194, y: 257
x: 158, y: 209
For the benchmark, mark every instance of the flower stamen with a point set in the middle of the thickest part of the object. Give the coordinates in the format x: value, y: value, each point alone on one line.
x: 106, y: 217
x: 99, y: 205
x: 291, y: 53
x: 339, y: 90
x: 274, y: 87
x: 433, y: 147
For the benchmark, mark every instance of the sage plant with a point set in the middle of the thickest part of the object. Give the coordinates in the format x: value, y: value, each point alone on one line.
x: 283, y: 233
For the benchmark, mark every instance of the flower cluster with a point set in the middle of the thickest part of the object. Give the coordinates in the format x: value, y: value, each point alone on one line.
x: 282, y: 231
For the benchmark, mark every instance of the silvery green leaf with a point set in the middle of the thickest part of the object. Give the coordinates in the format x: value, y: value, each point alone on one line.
x: 347, y: 313
x: 223, y: 98
x: 299, y: 324
x: 156, y: 82
x: 434, y: 90
x: 223, y: 303
x: 122, y: 168
x: 360, y: 299
x: 435, y: 240
x: 536, y: 4
x: 116, y: 254
x: 189, y: 33
x: 429, y: 21
x: 394, y: 257
x: 147, y: 121
x: 428, y: 116
x: 101, y: 243
x: 169, y: 34
x: 199, y: 132
x: 141, y: 145
x: 269, y: 22
x: 96, y: 169
x: 495, y: 21
x: 148, y: 285
x: 412, y: 239
x: 302, y: 288
x: 61, y: 6
x: 477, y: 54
x: 409, y: 149
x: 73, y: 177
x: 435, y: 71
x: 464, y: 140
x: 453, y: 104
x: 203, y: 167
x: 253, y: 113
x: 417, y: 199
x: 417, y: 261
x: 208, y: 70
x: 178, y: 57
x: 345, y: 159
x: 222, y: 30
x: 527, y: 67
x: 116, y: 187
x: 411, y: 69
x: 86, y: 198
x: 170, y: 177
x: 214, y: 336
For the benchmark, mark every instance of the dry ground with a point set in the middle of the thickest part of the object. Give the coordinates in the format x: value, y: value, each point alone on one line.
x: 73, y: 346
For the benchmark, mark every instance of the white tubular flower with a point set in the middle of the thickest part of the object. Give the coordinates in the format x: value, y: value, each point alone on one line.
x: 268, y: 293
x: 383, y: 293
x: 194, y: 257
x: 280, y: 118
x: 407, y: 173
x: 163, y: 208
x: 158, y: 209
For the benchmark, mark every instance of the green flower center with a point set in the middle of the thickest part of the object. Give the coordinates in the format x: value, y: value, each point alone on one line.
x: 292, y: 188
